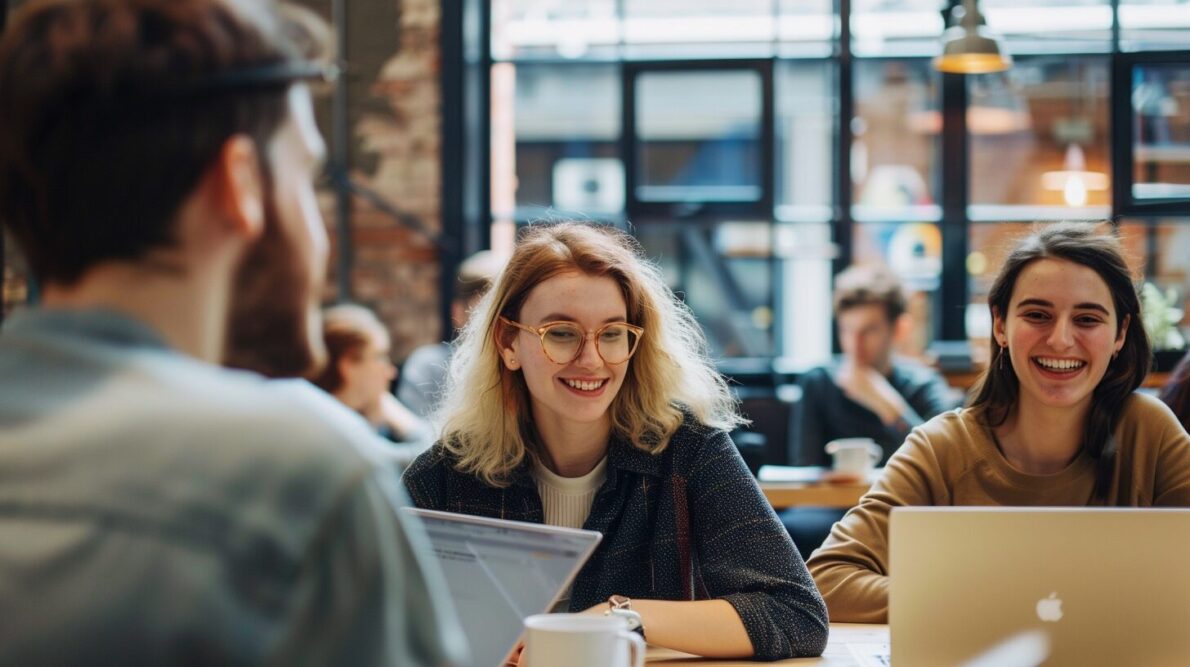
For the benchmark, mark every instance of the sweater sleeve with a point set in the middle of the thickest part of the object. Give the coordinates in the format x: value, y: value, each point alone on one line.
x: 425, y: 479
x: 851, y: 567
x: 746, y: 557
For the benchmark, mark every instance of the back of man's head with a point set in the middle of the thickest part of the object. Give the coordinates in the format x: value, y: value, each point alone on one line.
x: 112, y: 110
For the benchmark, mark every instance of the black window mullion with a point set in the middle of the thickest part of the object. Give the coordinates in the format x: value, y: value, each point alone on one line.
x: 841, y: 232
x: 951, y: 300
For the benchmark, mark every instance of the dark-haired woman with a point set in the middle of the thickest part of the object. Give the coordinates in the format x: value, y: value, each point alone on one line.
x: 1053, y: 422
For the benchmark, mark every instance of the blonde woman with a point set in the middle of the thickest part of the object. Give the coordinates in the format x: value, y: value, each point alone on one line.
x: 580, y: 394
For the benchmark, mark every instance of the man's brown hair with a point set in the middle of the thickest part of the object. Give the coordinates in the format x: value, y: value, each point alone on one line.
x: 112, y: 110
x: 865, y: 285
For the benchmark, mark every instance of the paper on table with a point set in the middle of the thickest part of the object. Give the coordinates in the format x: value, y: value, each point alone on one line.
x: 804, y: 474
x: 871, y: 655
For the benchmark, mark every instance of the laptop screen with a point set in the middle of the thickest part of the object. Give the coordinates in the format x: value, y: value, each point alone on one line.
x: 500, y: 572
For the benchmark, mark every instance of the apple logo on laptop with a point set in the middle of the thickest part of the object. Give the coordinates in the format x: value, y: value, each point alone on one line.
x: 1050, y: 609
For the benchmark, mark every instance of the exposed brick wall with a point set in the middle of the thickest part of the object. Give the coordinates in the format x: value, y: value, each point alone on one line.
x: 395, y: 125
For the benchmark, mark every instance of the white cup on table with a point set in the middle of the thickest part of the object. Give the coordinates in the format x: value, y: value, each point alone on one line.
x: 854, y: 456
x: 579, y: 640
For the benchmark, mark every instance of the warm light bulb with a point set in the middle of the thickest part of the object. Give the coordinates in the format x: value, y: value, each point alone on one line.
x: 1075, y: 191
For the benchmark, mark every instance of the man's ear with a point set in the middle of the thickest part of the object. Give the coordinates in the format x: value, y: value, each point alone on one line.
x: 239, y: 185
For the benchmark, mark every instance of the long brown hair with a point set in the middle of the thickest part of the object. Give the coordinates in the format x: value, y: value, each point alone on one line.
x: 997, y: 392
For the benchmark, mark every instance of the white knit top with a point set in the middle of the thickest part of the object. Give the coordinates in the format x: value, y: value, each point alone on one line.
x: 567, y: 502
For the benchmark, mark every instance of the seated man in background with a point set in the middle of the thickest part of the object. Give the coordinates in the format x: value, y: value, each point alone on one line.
x: 867, y: 394
x: 423, y: 375
x: 156, y: 164
x: 358, y: 373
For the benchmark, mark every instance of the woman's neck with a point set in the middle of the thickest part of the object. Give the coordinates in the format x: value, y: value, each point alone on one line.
x: 572, y: 449
x: 1040, y: 440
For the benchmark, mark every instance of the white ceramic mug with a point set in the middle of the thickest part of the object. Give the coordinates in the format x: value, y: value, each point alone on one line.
x: 580, y: 640
x: 856, y: 456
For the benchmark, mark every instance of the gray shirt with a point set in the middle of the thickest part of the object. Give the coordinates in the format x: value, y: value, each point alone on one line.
x: 826, y: 413
x: 159, y: 510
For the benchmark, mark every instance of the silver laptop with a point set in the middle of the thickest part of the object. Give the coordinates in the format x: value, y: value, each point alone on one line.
x: 1097, y: 586
x: 500, y: 572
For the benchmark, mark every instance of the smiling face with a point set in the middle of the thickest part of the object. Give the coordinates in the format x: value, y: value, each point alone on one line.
x: 1060, y: 329
x: 581, y: 391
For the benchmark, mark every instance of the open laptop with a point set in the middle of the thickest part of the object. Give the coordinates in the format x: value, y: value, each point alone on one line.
x: 1102, y: 586
x: 500, y: 572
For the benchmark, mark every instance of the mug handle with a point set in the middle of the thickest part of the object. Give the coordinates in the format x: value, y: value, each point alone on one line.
x: 637, y: 646
x: 876, y: 452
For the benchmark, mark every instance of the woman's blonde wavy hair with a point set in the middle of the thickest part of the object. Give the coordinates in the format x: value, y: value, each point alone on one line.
x: 485, y: 417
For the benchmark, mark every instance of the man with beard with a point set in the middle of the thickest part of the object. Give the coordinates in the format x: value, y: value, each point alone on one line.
x: 156, y: 161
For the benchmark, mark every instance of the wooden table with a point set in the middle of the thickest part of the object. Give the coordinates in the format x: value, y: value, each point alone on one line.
x: 848, y: 641
x: 817, y: 494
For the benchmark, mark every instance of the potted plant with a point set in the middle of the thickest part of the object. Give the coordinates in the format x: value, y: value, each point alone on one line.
x: 1161, y: 319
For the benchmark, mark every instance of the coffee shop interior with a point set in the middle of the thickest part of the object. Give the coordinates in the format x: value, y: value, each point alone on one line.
x: 756, y: 148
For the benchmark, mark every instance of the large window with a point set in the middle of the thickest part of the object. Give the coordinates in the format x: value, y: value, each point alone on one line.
x: 758, y: 146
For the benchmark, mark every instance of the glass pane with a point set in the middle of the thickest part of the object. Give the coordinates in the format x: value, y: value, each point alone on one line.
x: 554, y: 28
x: 804, y: 288
x: 698, y: 28
x: 699, y: 136
x: 913, y: 251
x: 896, y: 27
x: 1161, y: 131
x: 724, y: 273
x: 1050, y: 26
x: 988, y: 245
x: 1160, y: 252
x: 1039, y: 139
x: 806, y: 28
x: 567, y: 128
x: 1162, y: 25
x: 805, y: 137
x: 896, y: 129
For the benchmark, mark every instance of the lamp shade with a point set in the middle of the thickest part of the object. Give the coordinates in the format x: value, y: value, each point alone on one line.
x: 968, y: 46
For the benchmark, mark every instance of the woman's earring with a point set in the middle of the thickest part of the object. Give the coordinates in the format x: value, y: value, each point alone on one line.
x: 1003, y: 353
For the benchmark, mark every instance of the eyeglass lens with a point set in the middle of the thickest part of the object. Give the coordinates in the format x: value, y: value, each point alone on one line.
x: 563, y: 342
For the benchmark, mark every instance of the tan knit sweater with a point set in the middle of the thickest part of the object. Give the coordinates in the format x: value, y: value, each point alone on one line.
x: 952, y: 460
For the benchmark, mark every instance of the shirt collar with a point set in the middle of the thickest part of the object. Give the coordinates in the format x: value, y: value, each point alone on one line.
x: 91, y: 324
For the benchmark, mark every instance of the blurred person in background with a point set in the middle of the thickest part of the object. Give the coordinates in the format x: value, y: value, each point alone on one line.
x: 868, y: 393
x: 1176, y: 392
x: 156, y: 169
x: 423, y: 375
x: 359, y: 371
